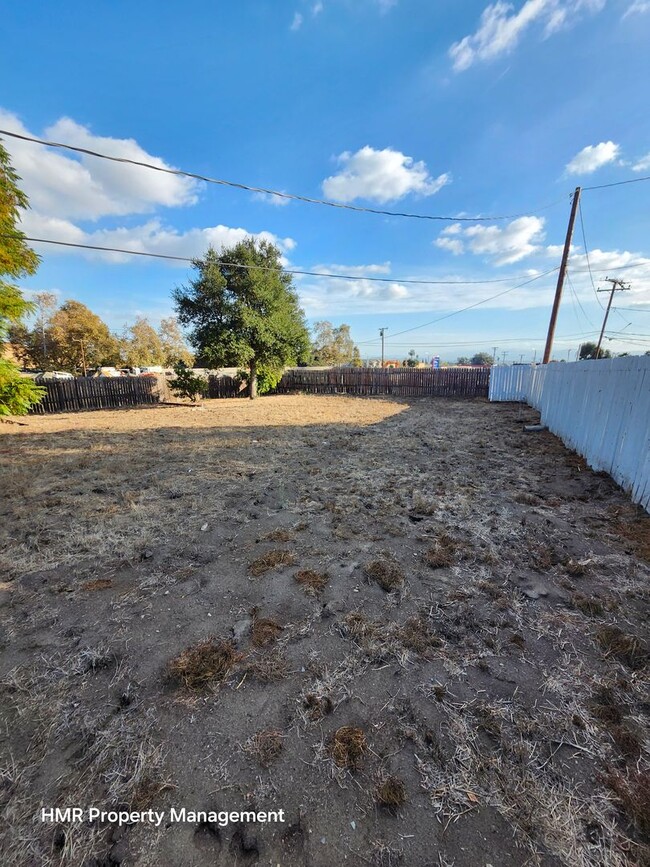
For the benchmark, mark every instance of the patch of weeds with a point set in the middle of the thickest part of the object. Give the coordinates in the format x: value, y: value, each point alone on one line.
x: 634, y: 525
x: 264, y: 746
x: 312, y: 582
x: 416, y: 635
x: 518, y: 640
x: 268, y: 668
x: 360, y: 628
x: 97, y: 584
x: 444, y: 553
x: 487, y: 720
x: 589, y: 605
x: 208, y: 662
x: 317, y: 706
x: 387, y: 574
x: 576, y: 568
x: 542, y: 558
x: 627, y: 742
x: 264, y: 631
x: 491, y: 589
x: 633, y: 793
x: 606, y: 706
x: 279, y: 535
x: 347, y: 747
x: 271, y: 560
x: 527, y: 499
x: 384, y: 855
x: 626, y: 648
x: 390, y: 792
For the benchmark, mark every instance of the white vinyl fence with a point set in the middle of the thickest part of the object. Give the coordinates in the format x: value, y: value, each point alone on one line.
x: 601, y: 409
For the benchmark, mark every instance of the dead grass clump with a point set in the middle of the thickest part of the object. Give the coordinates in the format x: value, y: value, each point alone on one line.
x: 271, y: 560
x: 390, y: 793
x: 264, y: 631
x: 627, y: 742
x: 626, y: 648
x: 265, y: 746
x: 444, y: 553
x: 542, y: 558
x: 207, y: 662
x: 518, y: 640
x: 317, y: 706
x: 576, y: 568
x: 311, y: 581
x: 97, y: 584
x: 416, y: 635
x: 634, y: 525
x: 387, y: 574
x: 607, y: 706
x: 348, y: 747
x: 279, y: 535
x: 268, y: 668
x: 633, y: 792
x: 360, y: 628
x: 589, y: 605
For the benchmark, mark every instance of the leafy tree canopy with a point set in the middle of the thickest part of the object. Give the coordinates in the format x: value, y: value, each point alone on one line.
x: 482, y: 358
x: 17, y: 259
x: 588, y: 350
x: 77, y: 333
x: 332, y: 345
x: 142, y: 345
x: 173, y: 343
x: 242, y: 309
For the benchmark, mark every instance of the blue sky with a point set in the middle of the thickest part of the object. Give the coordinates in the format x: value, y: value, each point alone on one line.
x: 439, y: 108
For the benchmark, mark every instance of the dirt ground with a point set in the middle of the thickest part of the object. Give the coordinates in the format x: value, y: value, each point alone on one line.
x: 412, y: 626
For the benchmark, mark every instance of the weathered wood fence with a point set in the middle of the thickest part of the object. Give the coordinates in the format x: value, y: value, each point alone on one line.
x: 72, y: 395
x: 599, y: 408
x: 401, y: 382
x: 224, y: 386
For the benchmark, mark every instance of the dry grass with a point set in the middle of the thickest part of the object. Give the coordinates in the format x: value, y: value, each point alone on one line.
x: 279, y: 535
x: 264, y: 631
x: 416, y: 635
x: 633, y: 792
x: 387, y: 574
x: 265, y: 746
x: 633, y: 524
x: 628, y: 649
x: 390, y: 792
x: 271, y: 560
x: 269, y: 667
x: 97, y: 584
x: 445, y: 552
x: 206, y: 663
x: 589, y: 605
x: 312, y: 582
x: 358, y: 627
x: 317, y: 706
x: 347, y: 747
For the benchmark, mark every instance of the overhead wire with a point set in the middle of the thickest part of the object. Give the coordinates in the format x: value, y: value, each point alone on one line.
x: 264, y: 190
x: 296, y: 271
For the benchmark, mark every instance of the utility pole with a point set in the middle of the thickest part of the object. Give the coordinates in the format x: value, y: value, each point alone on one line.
x: 535, y: 357
x: 503, y: 357
x: 381, y: 331
x: 616, y: 284
x: 494, y: 354
x: 560, y: 277
x: 568, y: 354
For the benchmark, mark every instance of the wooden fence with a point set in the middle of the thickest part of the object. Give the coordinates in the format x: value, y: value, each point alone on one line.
x: 72, y: 395
x: 401, y: 382
x: 224, y: 386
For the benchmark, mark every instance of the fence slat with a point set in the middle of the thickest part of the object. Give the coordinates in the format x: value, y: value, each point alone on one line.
x: 79, y: 394
x: 401, y: 382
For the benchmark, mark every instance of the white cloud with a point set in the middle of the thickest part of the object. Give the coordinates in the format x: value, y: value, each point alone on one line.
x: 317, y: 8
x: 638, y: 7
x: 149, y: 237
x: 85, y: 187
x: 296, y: 23
x: 382, y: 176
x: 593, y: 157
x: 504, y: 245
x: 355, y: 270
x: 501, y: 28
x: 386, y: 5
x: 268, y: 199
x: 643, y: 164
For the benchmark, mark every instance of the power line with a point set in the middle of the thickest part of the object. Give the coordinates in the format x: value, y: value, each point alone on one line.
x: 240, y: 186
x: 584, y: 242
x: 262, y: 268
x: 615, y: 184
x: 470, y: 306
x: 633, y: 309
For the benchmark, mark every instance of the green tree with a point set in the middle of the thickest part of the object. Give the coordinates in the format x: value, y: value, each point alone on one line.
x: 142, y: 345
x: 463, y: 360
x: 412, y: 360
x: 482, y: 358
x: 33, y: 345
x: 243, y: 310
x: 332, y: 345
x: 17, y: 259
x: 588, y: 350
x: 78, y: 334
x: 173, y: 343
x: 356, y: 357
x: 187, y: 383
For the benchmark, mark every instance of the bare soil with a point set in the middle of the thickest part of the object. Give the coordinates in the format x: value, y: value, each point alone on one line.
x: 415, y: 628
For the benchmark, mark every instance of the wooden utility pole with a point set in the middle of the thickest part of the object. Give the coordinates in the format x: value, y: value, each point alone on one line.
x: 83, y: 354
x: 560, y: 277
x: 616, y: 284
x: 381, y: 331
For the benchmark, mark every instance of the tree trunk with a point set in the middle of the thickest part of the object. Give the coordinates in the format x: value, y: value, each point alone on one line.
x: 252, y: 383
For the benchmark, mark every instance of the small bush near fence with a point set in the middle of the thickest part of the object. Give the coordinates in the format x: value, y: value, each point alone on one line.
x: 404, y: 382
